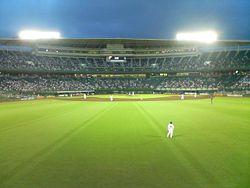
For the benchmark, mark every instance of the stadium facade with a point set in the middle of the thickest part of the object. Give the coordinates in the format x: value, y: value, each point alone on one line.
x: 71, y: 66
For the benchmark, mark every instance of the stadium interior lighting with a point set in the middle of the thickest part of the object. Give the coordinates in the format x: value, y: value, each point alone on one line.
x: 206, y: 37
x: 35, y: 35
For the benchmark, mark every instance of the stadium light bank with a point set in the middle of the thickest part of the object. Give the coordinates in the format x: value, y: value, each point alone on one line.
x: 36, y: 35
x: 205, y: 37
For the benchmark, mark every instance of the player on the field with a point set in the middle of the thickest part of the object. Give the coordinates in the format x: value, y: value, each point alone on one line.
x: 182, y: 96
x: 170, y: 129
x: 211, y: 98
x: 111, y: 98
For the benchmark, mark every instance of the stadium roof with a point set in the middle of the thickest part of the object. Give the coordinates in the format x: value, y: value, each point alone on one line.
x: 127, y: 43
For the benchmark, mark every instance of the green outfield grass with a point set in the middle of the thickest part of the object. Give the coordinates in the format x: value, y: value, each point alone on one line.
x: 72, y: 144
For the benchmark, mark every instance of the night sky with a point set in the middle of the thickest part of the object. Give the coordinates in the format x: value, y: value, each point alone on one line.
x: 126, y: 18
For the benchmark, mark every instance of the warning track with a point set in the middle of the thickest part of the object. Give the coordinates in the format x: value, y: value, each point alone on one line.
x: 100, y: 99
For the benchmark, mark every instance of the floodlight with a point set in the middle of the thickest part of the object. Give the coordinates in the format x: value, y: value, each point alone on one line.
x: 34, y: 35
x: 206, y: 37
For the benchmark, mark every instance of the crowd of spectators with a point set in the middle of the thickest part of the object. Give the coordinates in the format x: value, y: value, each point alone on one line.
x: 28, y: 61
x: 242, y: 83
x: 189, y: 82
x: 36, y: 83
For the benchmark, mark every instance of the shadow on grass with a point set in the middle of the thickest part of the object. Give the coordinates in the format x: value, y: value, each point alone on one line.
x: 158, y: 136
x: 178, y: 135
x: 154, y: 136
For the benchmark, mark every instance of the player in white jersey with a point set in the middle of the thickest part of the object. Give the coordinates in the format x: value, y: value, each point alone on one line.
x: 182, y: 96
x: 170, y: 128
x: 111, y: 97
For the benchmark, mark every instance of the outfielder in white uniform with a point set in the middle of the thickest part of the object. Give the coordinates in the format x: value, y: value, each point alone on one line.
x: 111, y: 98
x: 170, y: 129
x: 182, y: 96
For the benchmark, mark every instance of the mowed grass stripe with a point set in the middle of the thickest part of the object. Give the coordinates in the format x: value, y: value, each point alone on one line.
x: 39, y: 151
x: 177, y: 161
x: 125, y: 146
x: 27, y: 106
x: 209, y: 137
x: 27, y: 115
x: 190, y: 165
x: 116, y: 150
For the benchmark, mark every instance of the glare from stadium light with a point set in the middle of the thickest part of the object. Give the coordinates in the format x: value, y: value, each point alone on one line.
x: 36, y: 35
x: 206, y: 37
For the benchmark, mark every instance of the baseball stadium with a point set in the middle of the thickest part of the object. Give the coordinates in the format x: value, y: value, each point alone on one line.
x: 60, y: 128
x: 124, y: 94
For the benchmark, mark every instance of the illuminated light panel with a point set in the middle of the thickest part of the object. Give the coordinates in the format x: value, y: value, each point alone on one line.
x: 206, y: 37
x: 34, y: 35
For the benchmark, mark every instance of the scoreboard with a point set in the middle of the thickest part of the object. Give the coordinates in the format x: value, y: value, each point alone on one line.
x: 116, y: 59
